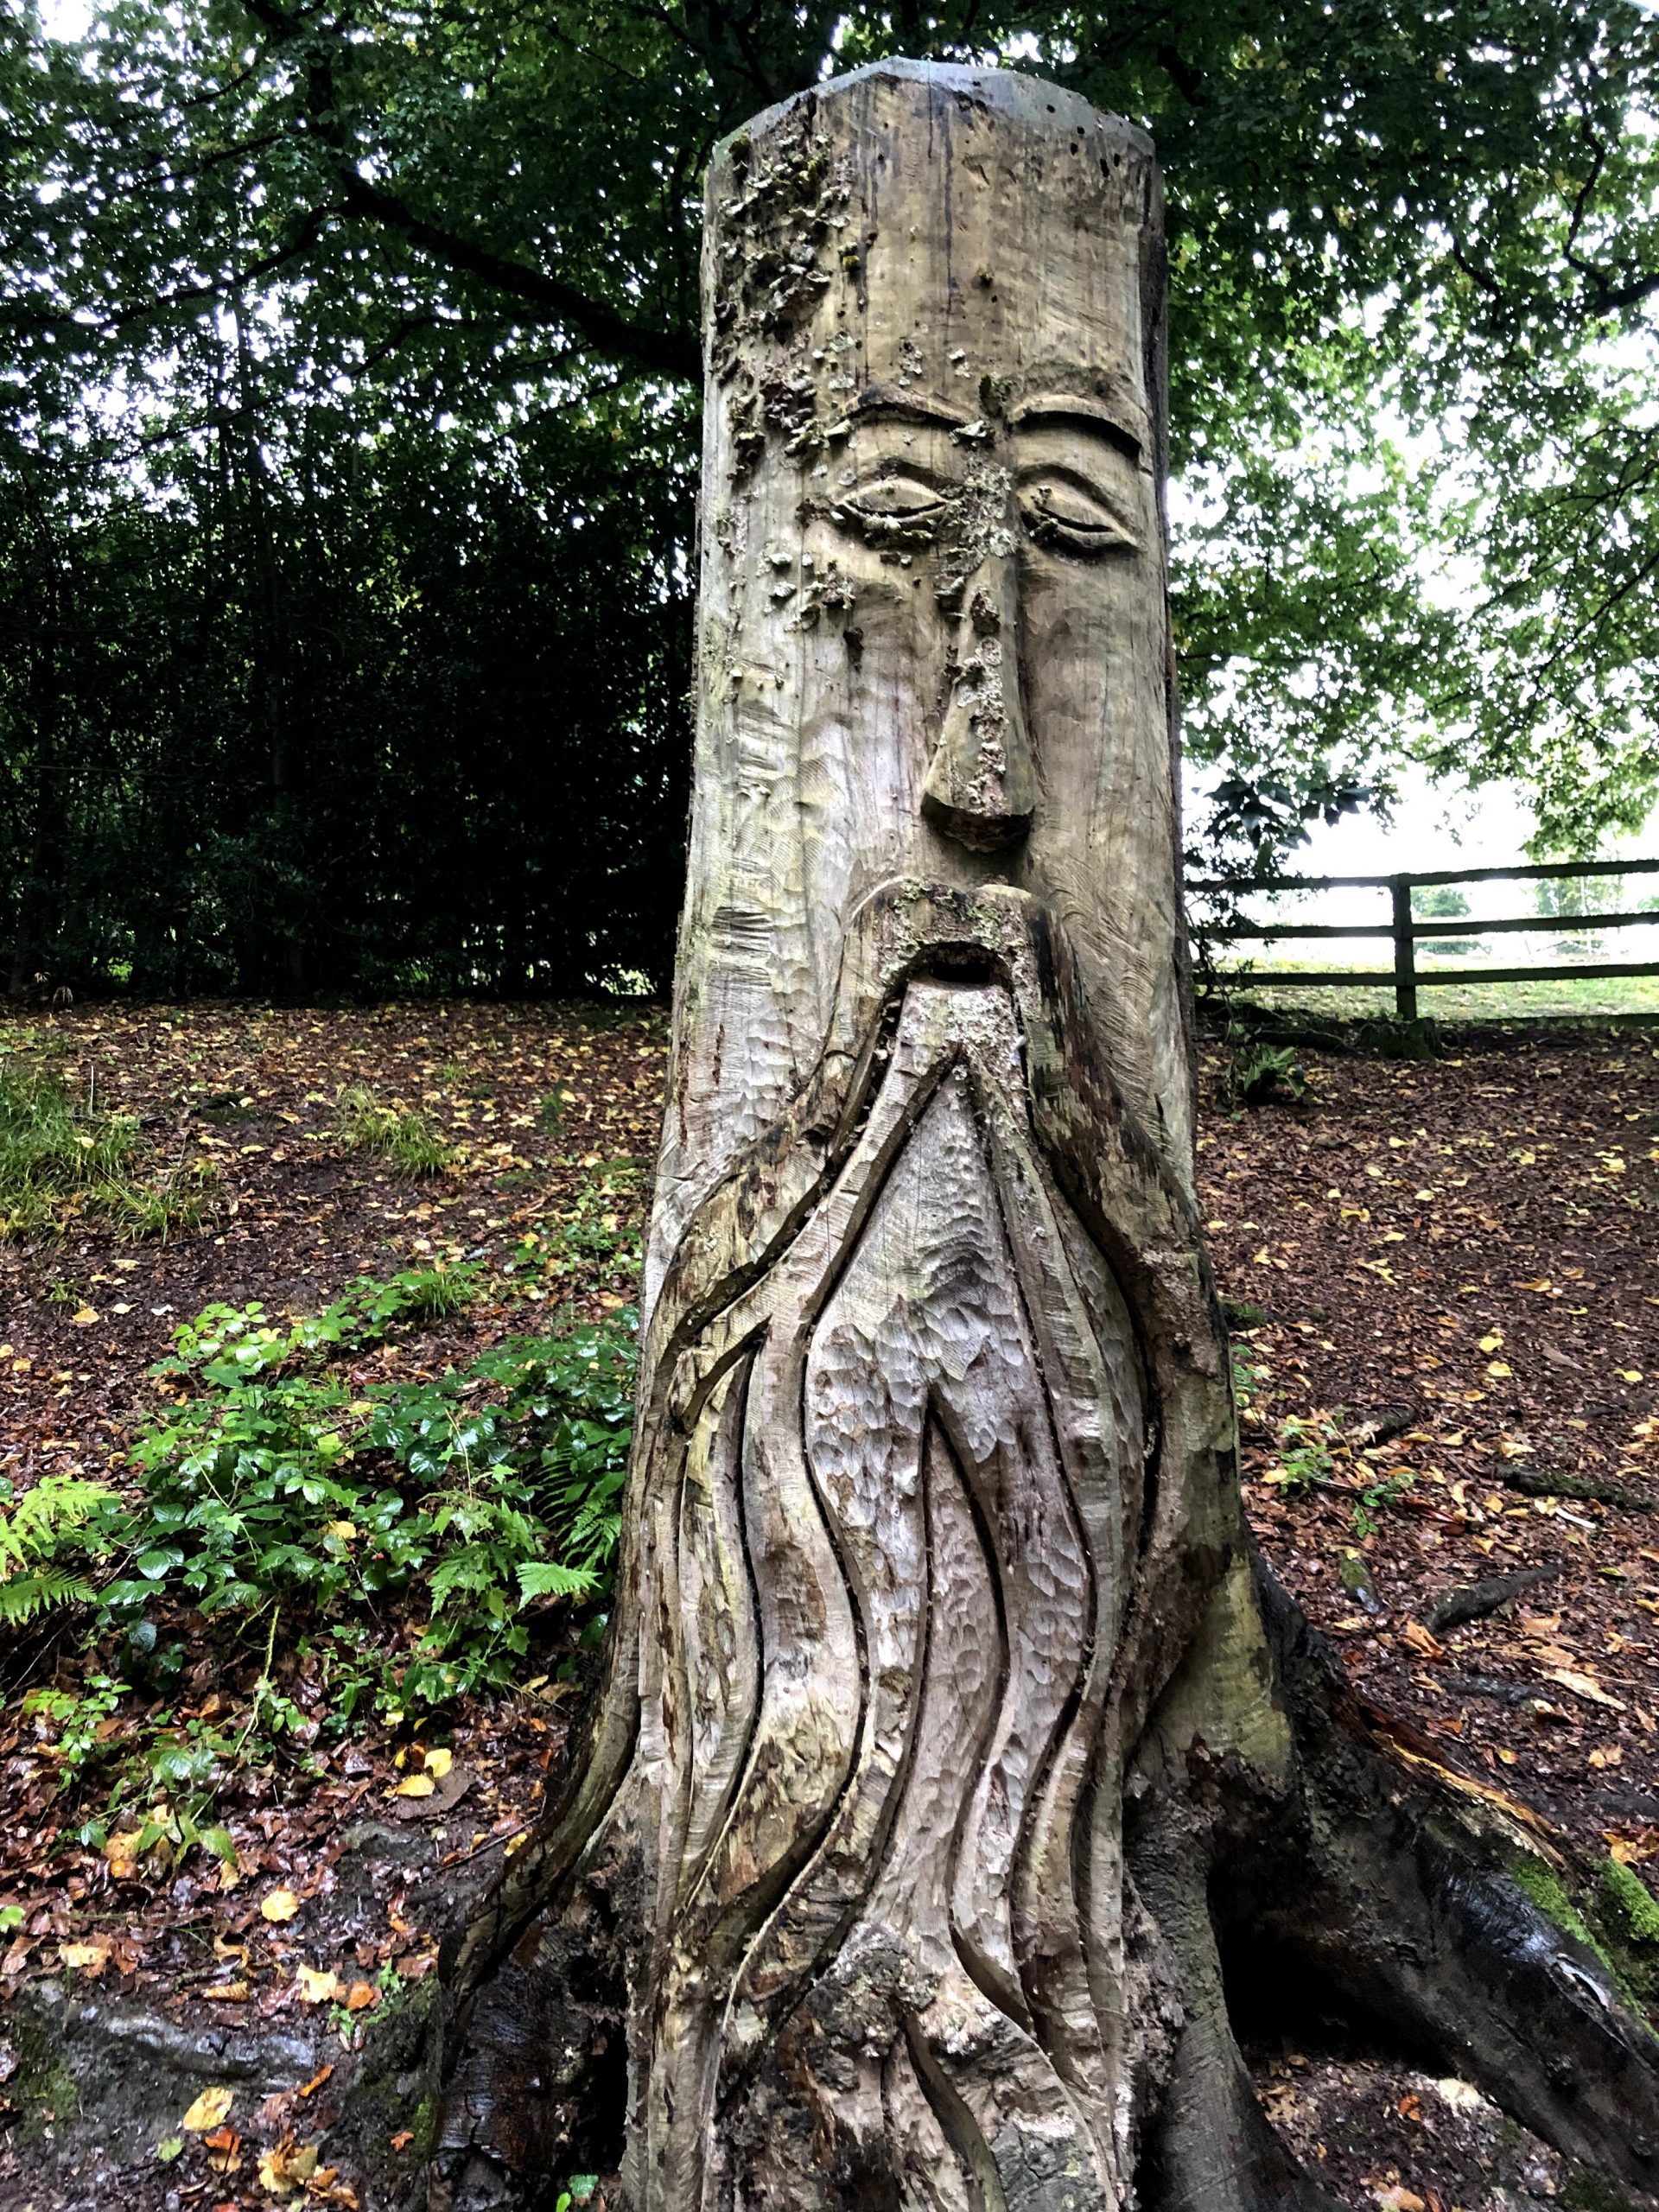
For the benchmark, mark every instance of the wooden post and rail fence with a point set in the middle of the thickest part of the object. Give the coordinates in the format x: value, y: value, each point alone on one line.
x: 1406, y: 930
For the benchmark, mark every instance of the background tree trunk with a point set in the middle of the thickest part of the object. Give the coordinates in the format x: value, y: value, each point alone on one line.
x: 952, y: 1740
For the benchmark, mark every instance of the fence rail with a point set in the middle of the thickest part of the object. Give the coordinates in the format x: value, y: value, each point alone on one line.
x: 1406, y: 932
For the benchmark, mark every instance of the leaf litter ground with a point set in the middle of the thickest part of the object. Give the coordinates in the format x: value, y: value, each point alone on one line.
x: 1442, y: 1277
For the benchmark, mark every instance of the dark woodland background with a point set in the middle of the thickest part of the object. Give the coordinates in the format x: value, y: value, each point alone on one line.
x: 349, y: 421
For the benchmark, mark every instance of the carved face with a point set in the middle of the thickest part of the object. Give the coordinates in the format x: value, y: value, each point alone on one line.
x: 977, y: 552
x: 934, y: 646
x: 910, y: 1396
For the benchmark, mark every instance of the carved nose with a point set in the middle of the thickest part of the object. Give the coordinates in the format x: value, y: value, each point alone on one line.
x: 982, y: 784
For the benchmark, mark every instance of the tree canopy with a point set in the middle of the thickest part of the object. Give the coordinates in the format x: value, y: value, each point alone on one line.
x: 349, y: 418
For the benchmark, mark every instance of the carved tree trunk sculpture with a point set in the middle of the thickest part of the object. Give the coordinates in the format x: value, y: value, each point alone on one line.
x: 950, y: 1731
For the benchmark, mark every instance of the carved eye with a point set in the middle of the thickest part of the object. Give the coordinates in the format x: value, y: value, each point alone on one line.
x: 892, y: 507
x: 1062, y: 511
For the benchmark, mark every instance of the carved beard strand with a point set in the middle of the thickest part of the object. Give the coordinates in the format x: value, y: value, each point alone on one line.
x: 891, y: 1879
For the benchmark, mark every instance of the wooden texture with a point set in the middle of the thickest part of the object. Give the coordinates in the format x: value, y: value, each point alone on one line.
x: 936, y: 1391
x: 899, y: 1816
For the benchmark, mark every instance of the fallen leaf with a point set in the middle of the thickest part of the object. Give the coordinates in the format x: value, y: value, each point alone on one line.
x: 1462, y: 2096
x: 224, y: 2148
x: 273, y: 2174
x: 403, y: 2139
x: 280, y: 1905
x: 89, y: 1958
x: 121, y: 1852
x: 439, y: 1762
x: 1419, y: 1640
x: 287, y: 2166
x: 415, y: 1785
x: 85, y: 1317
x: 209, y: 2110
x: 1581, y: 1686
x: 318, y: 1985
x: 360, y: 1996
x: 228, y: 1993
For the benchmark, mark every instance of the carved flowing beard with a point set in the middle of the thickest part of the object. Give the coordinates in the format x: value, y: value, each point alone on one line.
x: 891, y: 1586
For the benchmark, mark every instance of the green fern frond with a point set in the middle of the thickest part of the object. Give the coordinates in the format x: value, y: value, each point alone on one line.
x: 23, y: 1597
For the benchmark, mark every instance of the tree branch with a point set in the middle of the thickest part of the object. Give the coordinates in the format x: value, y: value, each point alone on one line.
x: 592, y: 323
x: 661, y: 352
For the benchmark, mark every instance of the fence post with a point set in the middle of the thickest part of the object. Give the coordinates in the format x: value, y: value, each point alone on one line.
x: 1405, y: 966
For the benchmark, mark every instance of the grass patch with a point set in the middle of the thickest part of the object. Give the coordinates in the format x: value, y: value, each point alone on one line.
x: 63, y: 1159
x: 405, y: 1139
x: 1562, y: 993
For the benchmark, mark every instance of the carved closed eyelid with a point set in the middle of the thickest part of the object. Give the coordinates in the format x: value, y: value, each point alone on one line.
x: 1063, y: 508
x: 891, y: 504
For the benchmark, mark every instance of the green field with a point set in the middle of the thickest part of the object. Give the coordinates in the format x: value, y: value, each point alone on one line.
x: 1562, y: 996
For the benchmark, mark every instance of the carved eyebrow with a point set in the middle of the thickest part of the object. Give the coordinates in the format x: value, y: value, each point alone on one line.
x: 885, y: 403
x: 1086, y: 413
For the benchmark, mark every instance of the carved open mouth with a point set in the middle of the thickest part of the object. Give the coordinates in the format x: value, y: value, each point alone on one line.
x: 960, y: 963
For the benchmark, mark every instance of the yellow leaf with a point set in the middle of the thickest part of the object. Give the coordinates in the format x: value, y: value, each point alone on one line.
x: 274, y: 2175
x: 1629, y: 1374
x: 1581, y: 1686
x: 280, y: 1905
x: 87, y: 1958
x: 228, y: 1993
x: 318, y: 1985
x: 122, y: 1853
x: 85, y: 1316
x: 210, y: 2110
x: 1492, y: 1342
x: 1499, y: 1370
x: 416, y: 1785
x: 346, y: 1530
x: 439, y: 1762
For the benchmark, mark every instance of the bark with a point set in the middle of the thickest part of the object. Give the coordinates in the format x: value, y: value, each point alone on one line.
x: 956, y: 1763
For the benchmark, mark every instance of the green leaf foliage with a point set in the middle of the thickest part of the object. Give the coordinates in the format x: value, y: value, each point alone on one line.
x: 349, y: 422
x: 269, y: 1485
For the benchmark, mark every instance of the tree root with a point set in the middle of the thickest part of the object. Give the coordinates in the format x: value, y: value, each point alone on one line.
x: 1366, y: 1883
